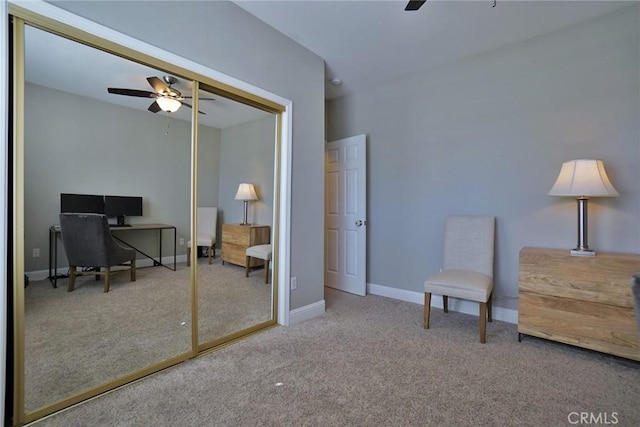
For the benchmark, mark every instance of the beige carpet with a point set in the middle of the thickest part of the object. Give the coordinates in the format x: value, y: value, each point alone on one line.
x: 82, y: 339
x: 368, y: 362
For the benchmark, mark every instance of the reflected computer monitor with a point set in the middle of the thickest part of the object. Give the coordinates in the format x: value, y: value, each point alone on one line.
x: 81, y: 203
x: 122, y: 206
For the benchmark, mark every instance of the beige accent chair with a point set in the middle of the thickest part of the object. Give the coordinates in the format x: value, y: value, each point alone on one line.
x: 261, y: 252
x: 207, y: 223
x: 467, y: 270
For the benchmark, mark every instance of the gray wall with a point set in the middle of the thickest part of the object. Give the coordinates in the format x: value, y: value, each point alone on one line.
x: 487, y: 135
x: 75, y: 144
x: 222, y: 36
x: 209, y: 142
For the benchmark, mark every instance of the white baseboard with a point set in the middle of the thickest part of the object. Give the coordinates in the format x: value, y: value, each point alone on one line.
x: 145, y: 262
x: 300, y: 314
x: 461, y: 306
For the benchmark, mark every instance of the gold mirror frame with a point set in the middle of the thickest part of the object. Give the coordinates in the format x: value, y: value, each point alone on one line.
x: 20, y: 17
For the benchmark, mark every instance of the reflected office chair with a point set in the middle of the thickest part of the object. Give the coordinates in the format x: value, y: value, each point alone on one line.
x: 207, y: 223
x: 88, y: 242
x: 467, y: 270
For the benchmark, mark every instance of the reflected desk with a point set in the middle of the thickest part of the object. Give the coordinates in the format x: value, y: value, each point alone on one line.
x: 54, y: 232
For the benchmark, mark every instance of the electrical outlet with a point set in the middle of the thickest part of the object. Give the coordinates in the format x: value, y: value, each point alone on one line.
x: 35, y: 253
x: 181, y: 242
x: 294, y: 283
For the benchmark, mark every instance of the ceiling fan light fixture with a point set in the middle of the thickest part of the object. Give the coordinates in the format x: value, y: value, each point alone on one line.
x: 169, y: 105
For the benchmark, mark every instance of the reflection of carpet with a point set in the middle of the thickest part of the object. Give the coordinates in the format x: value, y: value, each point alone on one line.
x: 79, y: 340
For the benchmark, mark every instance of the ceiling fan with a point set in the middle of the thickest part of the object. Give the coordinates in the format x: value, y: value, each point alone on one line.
x: 166, y: 98
x: 415, y: 5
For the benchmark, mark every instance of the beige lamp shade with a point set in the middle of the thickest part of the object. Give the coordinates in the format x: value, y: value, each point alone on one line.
x: 583, y: 178
x: 246, y: 192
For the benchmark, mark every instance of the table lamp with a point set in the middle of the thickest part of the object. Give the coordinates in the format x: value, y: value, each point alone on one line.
x: 583, y: 179
x: 245, y: 193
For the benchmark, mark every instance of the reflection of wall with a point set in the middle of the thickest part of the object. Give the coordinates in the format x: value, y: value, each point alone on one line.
x: 232, y: 41
x: 487, y: 135
x: 247, y: 154
x: 208, y: 165
x: 78, y: 145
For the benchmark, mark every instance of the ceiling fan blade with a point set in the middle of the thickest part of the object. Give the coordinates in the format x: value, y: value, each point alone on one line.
x: 415, y: 5
x: 187, y: 105
x: 154, y: 108
x: 131, y: 92
x: 158, y: 85
x: 201, y: 99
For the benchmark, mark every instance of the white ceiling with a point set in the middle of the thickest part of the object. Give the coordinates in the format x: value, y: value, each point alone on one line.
x: 366, y: 43
x: 62, y: 64
x: 363, y: 42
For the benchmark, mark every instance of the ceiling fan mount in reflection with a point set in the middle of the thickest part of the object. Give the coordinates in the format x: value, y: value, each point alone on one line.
x: 166, y: 97
x: 414, y: 5
x: 417, y: 4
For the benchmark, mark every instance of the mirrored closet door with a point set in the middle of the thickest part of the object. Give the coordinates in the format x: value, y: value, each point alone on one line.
x: 235, y: 155
x: 86, y: 136
x: 148, y: 144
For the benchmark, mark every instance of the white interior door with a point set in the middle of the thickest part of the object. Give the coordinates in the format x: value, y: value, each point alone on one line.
x: 345, y: 215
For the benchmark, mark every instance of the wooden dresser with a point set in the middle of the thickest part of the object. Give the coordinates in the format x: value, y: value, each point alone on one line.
x: 236, y: 238
x: 582, y: 301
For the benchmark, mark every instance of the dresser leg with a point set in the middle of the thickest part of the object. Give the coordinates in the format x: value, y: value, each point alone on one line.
x: 519, y: 337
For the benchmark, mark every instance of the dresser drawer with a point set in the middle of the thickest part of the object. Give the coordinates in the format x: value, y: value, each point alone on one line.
x: 604, y: 278
x: 245, y: 235
x: 236, y: 236
x: 236, y: 254
x: 599, y: 327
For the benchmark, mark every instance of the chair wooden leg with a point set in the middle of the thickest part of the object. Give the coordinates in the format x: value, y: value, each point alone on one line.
x: 427, y: 309
x: 97, y: 269
x: 72, y: 279
x: 445, y: 303
x: 188, y: 256
x: 246, y: 266
x: 266, y: 271
x: 210, y: 253
x: 133, y: 270
x: 489, y: 305
x: 213, y: 250
x: 483, y: 322
x: 107, y: 278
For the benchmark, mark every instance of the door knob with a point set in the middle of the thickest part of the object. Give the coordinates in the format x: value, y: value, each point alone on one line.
x: 359, y: 223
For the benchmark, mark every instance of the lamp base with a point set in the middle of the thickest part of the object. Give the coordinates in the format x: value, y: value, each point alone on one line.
x: 582, y: 252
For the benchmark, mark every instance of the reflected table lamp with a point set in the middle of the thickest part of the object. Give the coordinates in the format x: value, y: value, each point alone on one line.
x: 245, y: 193
x: 583, y: 179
